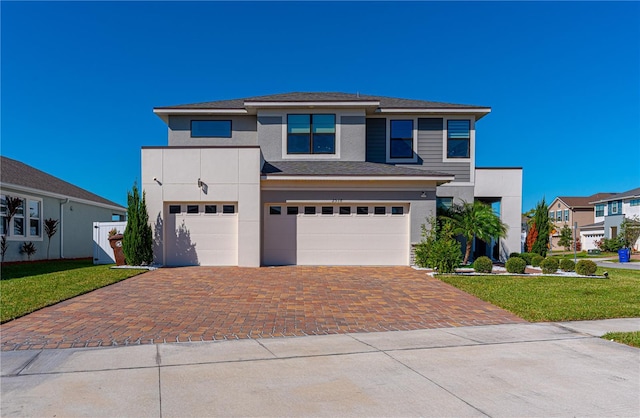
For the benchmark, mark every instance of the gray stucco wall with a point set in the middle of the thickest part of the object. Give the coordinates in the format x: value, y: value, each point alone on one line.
x: 458, y: 193
x: 421, y: 208
x: 243, y: 131
x: 376, y: 133
x: 77, y: 233
x: 270, y: 137
x: 352, y: 138
x: 430, y: 134
x: 612, y: 221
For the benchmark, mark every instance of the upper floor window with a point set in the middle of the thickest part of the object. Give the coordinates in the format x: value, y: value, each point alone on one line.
x: 600, y: 210
x: 615, y: 207
x: 552, y: 215
x: 559, y: 215
x: 458, y: 138
x: 211, y: 129
x: 635, y: 202
x: 566, y: 215
x: 311, y: 134
x: 401, y: 139
x: 27, y: 220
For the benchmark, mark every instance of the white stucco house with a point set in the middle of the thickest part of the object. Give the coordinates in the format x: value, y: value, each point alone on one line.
x: 316, y: 179
x: 44, y: 196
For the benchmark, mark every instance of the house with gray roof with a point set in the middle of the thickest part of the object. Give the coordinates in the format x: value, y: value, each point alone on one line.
x: 316, y: 179
x: 42, y: 197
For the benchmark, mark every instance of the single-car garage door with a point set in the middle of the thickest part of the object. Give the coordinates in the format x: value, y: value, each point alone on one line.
x: 338, y: 234
x: 201, y: 234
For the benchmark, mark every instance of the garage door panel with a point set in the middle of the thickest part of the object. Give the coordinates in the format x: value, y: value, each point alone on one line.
x: 350, y: 257
x: 352, y: 242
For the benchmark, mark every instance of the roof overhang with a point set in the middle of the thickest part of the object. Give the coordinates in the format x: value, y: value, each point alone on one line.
x: 480, y: 112
x: 442, y: 179
x: 164, y: 113
x: 311, y: 104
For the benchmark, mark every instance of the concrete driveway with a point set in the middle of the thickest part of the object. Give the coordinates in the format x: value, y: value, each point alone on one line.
x: 221, y: 303
x: 505, y: 370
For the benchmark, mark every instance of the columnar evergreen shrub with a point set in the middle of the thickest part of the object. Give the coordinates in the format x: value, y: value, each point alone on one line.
x: 483, y: 265
x: 137, y: 242
x: 586, y: 268
x: 543, y: 227
x: 549, y: 265
x: 516, y: 265
x: 567, y: 265
x: 536, y: 259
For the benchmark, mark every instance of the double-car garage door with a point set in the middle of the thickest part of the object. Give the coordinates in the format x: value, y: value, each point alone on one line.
x: 336, y: 234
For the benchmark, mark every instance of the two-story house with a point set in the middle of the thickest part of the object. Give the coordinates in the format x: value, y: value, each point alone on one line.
x: 315, y: 179
x: 608, y: 215
x: 568, y: 210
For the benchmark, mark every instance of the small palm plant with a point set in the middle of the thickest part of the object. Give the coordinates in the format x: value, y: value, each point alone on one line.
x: 28, y: 248
x: 50, y: 228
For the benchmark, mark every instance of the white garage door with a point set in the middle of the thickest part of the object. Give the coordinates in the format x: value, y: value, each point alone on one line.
x: 341, y: 234
x: 201, y: 234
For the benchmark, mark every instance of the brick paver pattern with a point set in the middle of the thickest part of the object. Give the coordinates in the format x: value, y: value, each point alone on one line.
x: 218, y: 303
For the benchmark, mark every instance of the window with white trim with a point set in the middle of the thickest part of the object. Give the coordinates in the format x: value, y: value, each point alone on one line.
x: 26, y: 223
x: 634, y: 202
x: 600, y: 209
x: 566, y: 215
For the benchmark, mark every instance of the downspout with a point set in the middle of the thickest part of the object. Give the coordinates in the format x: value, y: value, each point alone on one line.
x: 62, y: 226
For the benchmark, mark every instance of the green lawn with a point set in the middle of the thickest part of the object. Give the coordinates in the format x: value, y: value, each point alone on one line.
x: 545, y: 298
x: 580, y: 255
x: 27, y: 287
x: 628, y: 338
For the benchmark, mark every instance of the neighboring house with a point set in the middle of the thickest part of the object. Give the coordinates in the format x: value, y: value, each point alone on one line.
x: 608, y: 215
x: 316, y: 179
x: 45, y: 196
x: 567, y: 210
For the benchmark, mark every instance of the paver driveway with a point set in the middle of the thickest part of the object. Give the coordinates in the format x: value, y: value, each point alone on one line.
x: 213, y: 303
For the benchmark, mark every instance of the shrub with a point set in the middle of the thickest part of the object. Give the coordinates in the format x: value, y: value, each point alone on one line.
x: 137, y: 243
x: 610, y: 245
x: 438, y: 249
x: 586, y: 268
x: 536, y: 259
x: 549, y: 265
x: 567, y: 265
x: 483, y: 265
x: 514, y: 255
x: 516, y: 265
x: 527, y: 257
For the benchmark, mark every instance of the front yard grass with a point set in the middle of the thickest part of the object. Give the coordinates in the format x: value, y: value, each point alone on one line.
x: 628, y: 338
x: 547, y: 298
x: 27, y: 287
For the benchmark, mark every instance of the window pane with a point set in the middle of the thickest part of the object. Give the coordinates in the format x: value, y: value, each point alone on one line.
x: 210, y: 209
x: 228, y: 209
x: 292, y: 210
x: 299, y: 124
x: 34, y: 229
x: 327, y: 210
x: 298, y: 144
x: 402, y: 129
x: 192, y: 208
x: 458, y: 129
x: 401, y: 148
x: 397, y: 210
x: 324, y: 124
x: 18, y: 226
x: 275, y: 210
x: 20, y: 210
x: 309, y: 210
x: 345, y: 210
x: 3, y: 205
x: 211, y: 128
x: 323, y: 144
x: 444, y: 202
x: 362, y: 210
x: 458, y: 148
x: 174, y: 208
x: 380, y: 210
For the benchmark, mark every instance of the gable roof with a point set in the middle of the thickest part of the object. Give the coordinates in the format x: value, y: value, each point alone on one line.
x: 384, y: 102
x: 576, y: 202
x: 347, y: 168
x: 633, y: 193
x: 15, y: 173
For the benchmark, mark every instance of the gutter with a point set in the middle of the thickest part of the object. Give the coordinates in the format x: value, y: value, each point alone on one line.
x: 62, y: 226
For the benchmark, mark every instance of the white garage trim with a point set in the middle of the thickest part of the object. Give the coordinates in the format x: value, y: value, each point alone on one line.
x: 201, y: 233
x: 344, y: 233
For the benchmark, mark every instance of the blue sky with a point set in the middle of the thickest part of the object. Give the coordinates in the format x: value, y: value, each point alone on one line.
x: 80, y: 79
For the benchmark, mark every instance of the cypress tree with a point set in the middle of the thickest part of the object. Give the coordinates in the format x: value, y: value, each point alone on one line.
x: 541, y: 220
x: 137, y: 241
x: 146, y: 234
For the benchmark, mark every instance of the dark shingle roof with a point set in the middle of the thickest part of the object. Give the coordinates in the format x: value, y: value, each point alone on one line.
x: 597, y: 225
x: 344, y: 168
x: 624, y: 195
x: 583, y: 202
x: 385, y: 102
x: 14, y: 172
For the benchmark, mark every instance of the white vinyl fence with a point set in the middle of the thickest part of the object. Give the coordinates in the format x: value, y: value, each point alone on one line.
x: 102, y: 251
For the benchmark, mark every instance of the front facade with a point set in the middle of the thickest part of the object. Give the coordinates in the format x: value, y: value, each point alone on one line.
x: 569, y: 210
x: 609, y: 212
x: 315, y: 179
x: 42, y: 197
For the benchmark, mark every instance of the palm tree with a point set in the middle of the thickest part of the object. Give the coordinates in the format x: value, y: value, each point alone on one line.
x: 478, y: 220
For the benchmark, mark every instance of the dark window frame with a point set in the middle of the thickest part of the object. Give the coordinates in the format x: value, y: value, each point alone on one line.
x: 228, y: 209
x: 392, y: 139
x: 344, y: 210
x: 377, y: 210
x: 310, y: 135
x: 293, y: 210
x: 191, y: 211
x: 362, y: 210
x: 309, y: 210
x: 397, y: 210
x: 275, y: 210
x: 212, y: 136
x: 468, y: 140
x: 327, y: 210
x: 208, y: 211
x: 172, y: 209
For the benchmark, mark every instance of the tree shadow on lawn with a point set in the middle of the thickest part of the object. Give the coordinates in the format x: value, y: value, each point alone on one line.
x: 26, y: 269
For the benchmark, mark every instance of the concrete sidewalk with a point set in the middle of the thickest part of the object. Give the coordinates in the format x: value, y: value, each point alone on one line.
x: 532, y: 369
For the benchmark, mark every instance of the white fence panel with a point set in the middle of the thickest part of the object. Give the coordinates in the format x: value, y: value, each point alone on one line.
x: 102, y: 251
